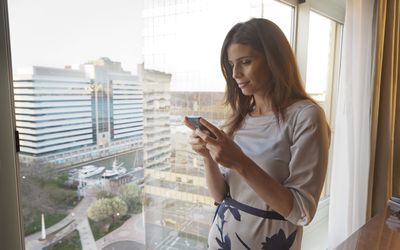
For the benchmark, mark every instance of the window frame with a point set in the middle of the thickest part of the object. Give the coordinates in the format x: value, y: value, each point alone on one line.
x: 10, y: 215
x: 334, y: 10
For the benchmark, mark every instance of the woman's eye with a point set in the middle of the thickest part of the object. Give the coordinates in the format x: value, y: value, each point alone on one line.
x: 246, y: 61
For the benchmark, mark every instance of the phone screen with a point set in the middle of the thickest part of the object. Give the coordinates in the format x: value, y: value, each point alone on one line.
x: 195, y: 121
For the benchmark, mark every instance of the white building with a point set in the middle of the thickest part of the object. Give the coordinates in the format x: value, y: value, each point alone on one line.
x: 117, y: 102
x: 53, y: 110
x: 157, y: 132
x: 66, y: 116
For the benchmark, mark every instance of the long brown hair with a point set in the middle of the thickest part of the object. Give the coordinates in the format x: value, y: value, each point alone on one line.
x: 285, y: 86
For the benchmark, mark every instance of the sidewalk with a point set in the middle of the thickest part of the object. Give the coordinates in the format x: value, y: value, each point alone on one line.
x: 62, y: 228
x: 86, y: 235
x: 131, y: 230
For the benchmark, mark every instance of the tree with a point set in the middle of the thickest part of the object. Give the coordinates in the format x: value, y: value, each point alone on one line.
x: 131, y: 194
x: 118, y: 207
x: 104, y: 194
x: 107, y: 208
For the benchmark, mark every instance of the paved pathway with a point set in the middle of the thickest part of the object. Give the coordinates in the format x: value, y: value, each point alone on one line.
x: 62, y: 228
x: 33, y: 241
x: 86, y: 235
x: 131, y: 230
x: 125, y: 245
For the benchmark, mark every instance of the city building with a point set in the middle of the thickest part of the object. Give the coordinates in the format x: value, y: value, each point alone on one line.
x: 156, y: 110
x: 117, y: 103
x: 177, y: 199
x: 53, y: 110
x: 65, y: 116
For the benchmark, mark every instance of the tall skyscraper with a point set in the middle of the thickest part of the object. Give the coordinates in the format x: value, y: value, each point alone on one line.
x: 157, y: 132
x: 178, y: 207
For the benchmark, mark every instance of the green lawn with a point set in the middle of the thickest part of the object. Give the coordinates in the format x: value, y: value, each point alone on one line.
x: 50, y: 219
x: 47, y: 196
x: 70, y: 242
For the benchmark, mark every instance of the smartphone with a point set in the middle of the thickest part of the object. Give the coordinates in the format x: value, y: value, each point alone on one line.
x: 194, y: 120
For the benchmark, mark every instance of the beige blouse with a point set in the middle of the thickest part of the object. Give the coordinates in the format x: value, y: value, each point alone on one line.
x: 295, y: 153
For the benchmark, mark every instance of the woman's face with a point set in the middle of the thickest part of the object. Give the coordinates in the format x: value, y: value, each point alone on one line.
x: 249, y: 69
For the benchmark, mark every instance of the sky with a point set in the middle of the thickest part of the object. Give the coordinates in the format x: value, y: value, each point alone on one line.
x: 57, y: 33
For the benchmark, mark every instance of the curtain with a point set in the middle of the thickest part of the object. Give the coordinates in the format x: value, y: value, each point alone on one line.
x: 385, y: 115
x: 351, y: 137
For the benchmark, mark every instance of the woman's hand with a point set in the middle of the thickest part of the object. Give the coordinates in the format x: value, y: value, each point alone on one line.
x: 222, y: 149
x: 214, y: 180
x: 198, y: 145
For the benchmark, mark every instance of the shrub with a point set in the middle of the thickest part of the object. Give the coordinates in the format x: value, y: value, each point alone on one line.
x: 131, y: 194
x: 105, y: 208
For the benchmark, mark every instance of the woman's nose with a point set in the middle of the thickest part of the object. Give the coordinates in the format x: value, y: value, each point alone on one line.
x: 236, y: 72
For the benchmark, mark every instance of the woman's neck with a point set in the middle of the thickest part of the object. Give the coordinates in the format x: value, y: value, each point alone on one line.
x: 263, y: 106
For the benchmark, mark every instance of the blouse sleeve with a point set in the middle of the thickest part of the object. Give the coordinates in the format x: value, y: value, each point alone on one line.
x: 308, y: 164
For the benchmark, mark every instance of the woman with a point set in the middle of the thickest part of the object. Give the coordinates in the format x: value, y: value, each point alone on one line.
x: 273, y: 151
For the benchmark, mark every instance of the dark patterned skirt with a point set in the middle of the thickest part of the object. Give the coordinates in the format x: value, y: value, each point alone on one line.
x: 239, y: 226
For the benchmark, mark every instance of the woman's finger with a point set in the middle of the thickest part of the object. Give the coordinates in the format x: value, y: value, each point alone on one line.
x: 216, y: 131
x: 193, y: 134
x: 198, y: 147
x: 205, y: 136
x: 196, y: 140
x: 188, y: 124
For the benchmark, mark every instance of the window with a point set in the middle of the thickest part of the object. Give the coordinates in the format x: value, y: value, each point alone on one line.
x: 79, y: 113
x: 282, y: 14
x: 99, y: 101
x: 321, y: 55
x: 318, y: 50
x: 324, y: 42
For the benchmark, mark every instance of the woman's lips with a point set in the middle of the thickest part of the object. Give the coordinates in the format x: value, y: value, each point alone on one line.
x: 242, y: 84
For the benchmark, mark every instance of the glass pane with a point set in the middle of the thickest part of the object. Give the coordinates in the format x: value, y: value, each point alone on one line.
x: 281, y: 14
x: 100, y: 96
x: 323, y: 55
x: 321, y: 52
x: 79, y: 112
